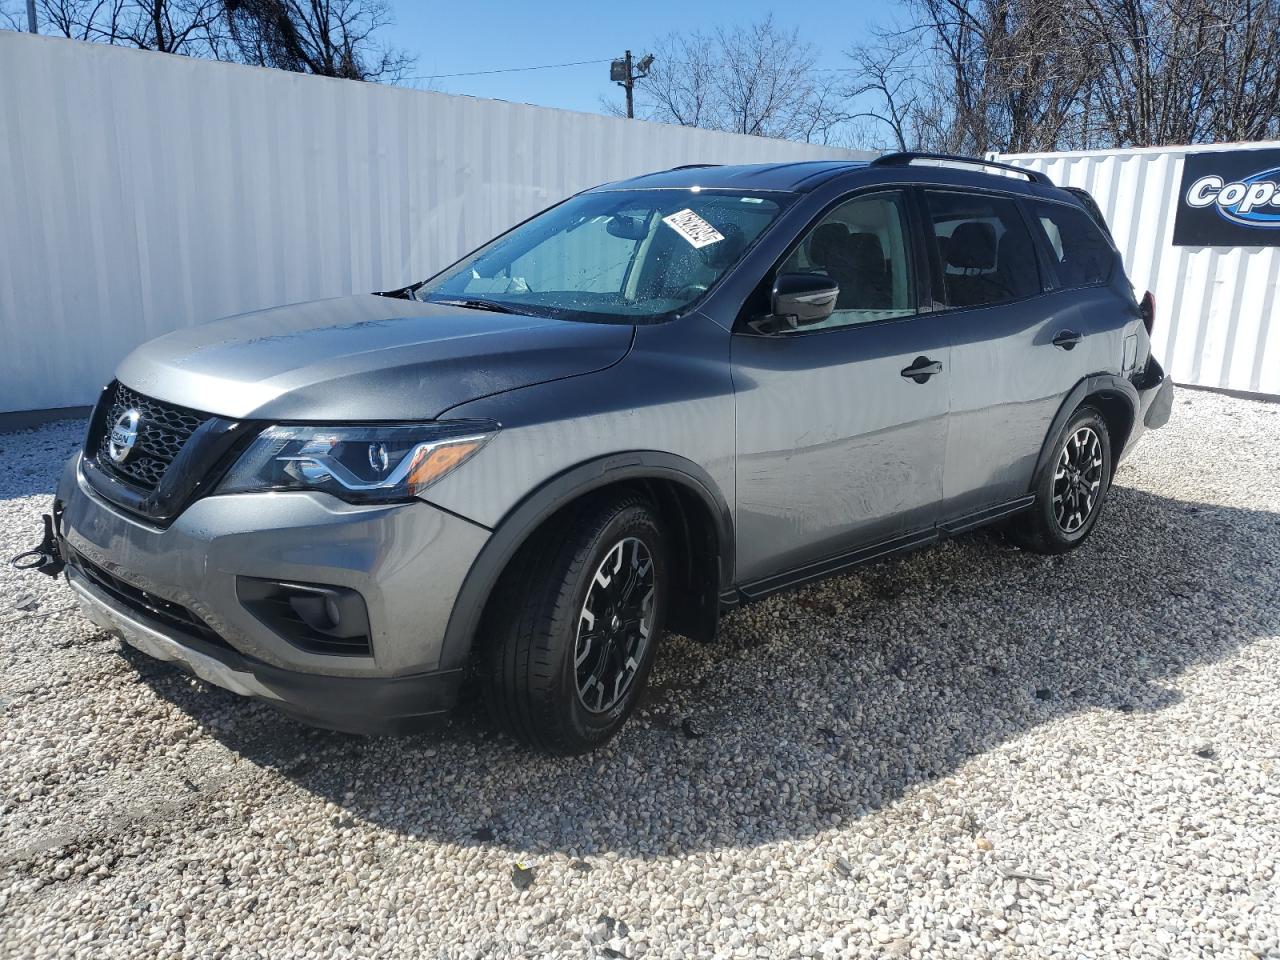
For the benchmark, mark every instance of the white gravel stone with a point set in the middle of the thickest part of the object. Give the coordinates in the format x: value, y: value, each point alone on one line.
x: 969, y: 751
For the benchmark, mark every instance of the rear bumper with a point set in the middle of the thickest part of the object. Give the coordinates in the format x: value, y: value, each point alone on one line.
x: 1156, y: 394
x: 1155, y: 403
x: 366, y: 705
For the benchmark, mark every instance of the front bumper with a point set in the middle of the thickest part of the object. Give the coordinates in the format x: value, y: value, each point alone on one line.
x: 407, y: 561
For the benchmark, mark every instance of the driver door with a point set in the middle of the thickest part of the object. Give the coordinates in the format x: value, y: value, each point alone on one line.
x: 840, y: 448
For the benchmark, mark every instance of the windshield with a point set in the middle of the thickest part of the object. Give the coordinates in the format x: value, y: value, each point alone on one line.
x: 632, y: 256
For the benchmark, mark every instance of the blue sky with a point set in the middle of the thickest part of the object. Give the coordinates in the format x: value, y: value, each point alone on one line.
x: 491, y: 34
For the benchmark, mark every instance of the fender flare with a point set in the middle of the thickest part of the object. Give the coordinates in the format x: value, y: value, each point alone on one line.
x: 1107, y: 383
x: 514, y: 529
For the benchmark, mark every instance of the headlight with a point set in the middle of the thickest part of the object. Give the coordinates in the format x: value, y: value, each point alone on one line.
x: 376, y: 463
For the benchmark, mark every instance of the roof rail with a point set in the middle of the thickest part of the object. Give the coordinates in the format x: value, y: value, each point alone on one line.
x: 694, y: 166
x: 906, y: 159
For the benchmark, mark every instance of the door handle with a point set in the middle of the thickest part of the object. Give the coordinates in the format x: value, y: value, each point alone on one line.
x: 921, y: 369
x: 1066, y: 339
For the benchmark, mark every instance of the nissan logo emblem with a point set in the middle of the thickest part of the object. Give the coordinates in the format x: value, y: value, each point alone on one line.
x: 123, y: 436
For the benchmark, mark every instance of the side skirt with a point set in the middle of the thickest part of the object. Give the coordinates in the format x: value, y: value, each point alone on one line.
x: 980, y: 518
x: 821, y: 569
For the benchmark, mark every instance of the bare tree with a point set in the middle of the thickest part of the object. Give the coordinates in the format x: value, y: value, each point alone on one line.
x: 10, y: 18
x: 80, y: 19
x: 1027, y: 75
x: 759, y: 79
x: 680, y: 86
x: 764, y: 80
x: 189, y: 27
x: 823, y: 116
x: 1013, y: 69
x: 1151, y: 72
x: 965, y: 76
x: 888, y: 87
x: 1245, y: 73
x: 172, y: 26
x: 333, y: 38
x: 330, y: 38
x: 1185, y: 71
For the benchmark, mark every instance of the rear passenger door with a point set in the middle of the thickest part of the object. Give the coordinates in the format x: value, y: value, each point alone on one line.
x: 1007, y: 377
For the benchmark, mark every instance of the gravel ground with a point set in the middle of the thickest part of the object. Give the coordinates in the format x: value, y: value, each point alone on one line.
x: 969, y: 751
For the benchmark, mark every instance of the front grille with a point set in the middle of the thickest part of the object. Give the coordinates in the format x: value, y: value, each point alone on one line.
x: 166, y: 612
x: 163, y: 430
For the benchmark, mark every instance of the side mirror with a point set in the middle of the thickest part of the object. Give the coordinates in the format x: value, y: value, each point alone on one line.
x: 801, y: 299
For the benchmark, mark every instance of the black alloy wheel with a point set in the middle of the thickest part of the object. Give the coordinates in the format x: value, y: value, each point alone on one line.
x: 615, y: 625
x: 571, y: 632
x: 1077, y: 479
x: 1071, y: 489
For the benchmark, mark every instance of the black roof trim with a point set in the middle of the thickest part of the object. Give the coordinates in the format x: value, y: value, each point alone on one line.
x: 907, y: 158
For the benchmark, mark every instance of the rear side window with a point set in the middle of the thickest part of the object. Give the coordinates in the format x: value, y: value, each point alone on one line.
x: 1091, y: 207
x: 1081, y: 253
x: 984, y: 249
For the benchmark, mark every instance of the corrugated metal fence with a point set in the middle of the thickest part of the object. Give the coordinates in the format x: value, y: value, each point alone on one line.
x: 141, y: 192
x: 1218, y: 310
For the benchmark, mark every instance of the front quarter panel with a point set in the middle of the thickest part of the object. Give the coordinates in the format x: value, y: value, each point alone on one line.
x: 672, y: 393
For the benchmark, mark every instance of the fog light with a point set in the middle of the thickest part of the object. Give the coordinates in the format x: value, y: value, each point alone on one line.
x: 312, y: 616
x: 317, y: 610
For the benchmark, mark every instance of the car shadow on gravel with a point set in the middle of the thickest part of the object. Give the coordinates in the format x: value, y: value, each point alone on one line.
x: 823, y: 704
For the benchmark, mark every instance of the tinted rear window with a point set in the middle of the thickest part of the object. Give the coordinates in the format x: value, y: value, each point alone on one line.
x: 1081, y: 254
x: 1091, y: 206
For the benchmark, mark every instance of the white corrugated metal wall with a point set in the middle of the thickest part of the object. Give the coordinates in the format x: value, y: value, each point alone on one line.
x: 141, y: 192
x: 1217, y: 308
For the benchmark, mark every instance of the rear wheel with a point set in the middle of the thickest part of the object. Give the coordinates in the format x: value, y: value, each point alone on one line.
x: 1069, y: 496
x: 574, y: 626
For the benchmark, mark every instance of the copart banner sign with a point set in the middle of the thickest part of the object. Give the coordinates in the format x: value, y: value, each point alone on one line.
x: 1229, y: 198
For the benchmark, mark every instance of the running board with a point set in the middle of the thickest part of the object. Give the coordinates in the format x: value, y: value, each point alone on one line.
x: 821, y: 569
x: 982, y: 517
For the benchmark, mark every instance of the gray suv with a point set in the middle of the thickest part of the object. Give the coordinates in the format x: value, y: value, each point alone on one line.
x: 652, y: 402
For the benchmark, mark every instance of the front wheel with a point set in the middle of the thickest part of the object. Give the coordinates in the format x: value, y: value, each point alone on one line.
x: 574, y: 626
x: 1069, y: 496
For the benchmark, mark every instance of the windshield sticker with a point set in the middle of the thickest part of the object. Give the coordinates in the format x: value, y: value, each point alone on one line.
x: 693, y: 228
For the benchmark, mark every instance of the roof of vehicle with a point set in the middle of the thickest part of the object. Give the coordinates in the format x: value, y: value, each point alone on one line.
x: 805, y: 175
x: 795, y: 176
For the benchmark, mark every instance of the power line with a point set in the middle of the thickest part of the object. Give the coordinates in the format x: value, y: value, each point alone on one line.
x: 970, y: 62
x: 540, y: 66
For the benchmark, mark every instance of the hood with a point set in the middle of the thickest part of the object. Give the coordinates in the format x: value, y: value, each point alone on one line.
x: 363, y: 358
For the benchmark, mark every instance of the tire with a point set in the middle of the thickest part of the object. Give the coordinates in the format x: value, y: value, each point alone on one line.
x: 546, y: 636
x: 1069, y: 500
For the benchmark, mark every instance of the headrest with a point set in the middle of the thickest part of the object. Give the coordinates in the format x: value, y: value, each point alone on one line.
x: 830, y: 242
x: 1015, y: 257
x: 973, y: 246
x: 867, y: 252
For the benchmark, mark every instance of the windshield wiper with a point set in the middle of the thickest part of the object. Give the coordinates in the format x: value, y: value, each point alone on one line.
x: 469, y: 304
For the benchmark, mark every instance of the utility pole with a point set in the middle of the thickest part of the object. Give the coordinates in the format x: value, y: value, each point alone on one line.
x: 625, y: 74
x: 31, y: 17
